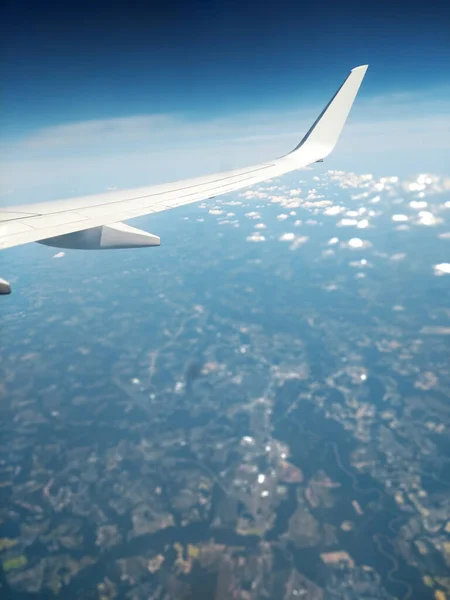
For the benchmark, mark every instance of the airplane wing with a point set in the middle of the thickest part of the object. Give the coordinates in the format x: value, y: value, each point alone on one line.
x: 95, y: 221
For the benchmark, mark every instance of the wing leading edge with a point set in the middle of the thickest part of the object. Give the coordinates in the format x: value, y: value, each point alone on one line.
x: 95, y: 221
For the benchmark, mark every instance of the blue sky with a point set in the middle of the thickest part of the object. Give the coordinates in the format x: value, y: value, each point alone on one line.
x: 104, y: 94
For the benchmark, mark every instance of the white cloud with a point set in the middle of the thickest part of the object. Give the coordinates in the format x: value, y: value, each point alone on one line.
x: 347, y: 222
x: 392, y: 132
x: 333, y: 210
x: 356, y: 243
x: 427, y: 218
x: 418, y: 204
x: 256, y: 237
x: 442, y: 268
x: 253, y: 194
x: 287, y: 237
x: 362, y: 224
x: 299, y: 241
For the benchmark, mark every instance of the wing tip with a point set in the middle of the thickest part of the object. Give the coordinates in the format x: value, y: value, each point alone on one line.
x: 360, y: 68
x: 326, y: 129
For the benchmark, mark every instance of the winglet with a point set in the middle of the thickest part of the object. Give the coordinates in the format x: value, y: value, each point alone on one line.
x: 324, y: 133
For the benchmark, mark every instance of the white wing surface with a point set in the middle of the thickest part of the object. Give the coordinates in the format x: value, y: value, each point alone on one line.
x: 94, y: 222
